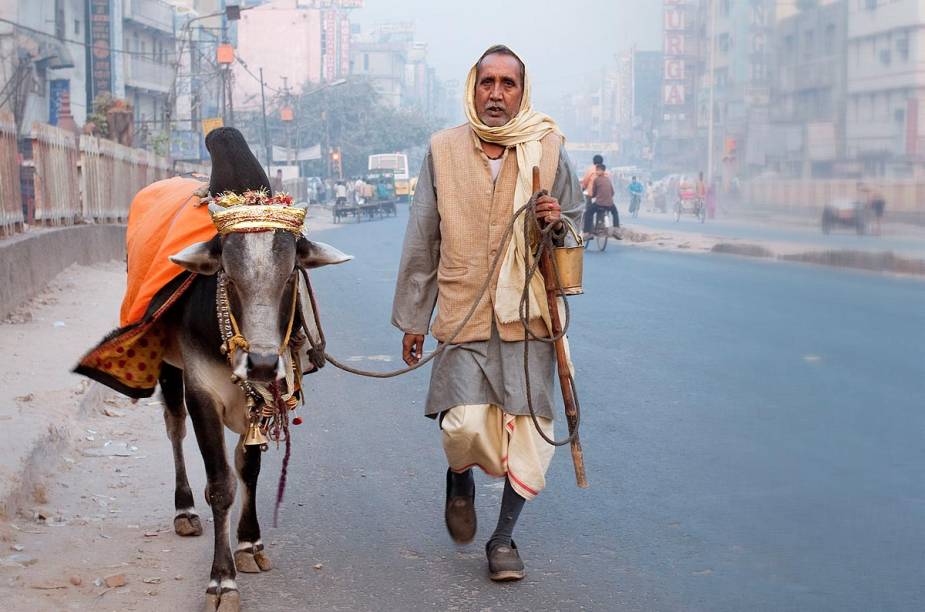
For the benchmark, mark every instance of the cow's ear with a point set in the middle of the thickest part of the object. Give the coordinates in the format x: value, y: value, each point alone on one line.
x: 316, y: 254
x: 200, y: 258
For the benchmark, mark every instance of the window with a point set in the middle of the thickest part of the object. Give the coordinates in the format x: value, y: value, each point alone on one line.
x: 77, y: 27
x: 366, y: 62
x: 723, y: 43
x: 870, y: 5
x: 902, y: 47
x: 808, y: 44
x: 830, y: 39
x: 885, y: 57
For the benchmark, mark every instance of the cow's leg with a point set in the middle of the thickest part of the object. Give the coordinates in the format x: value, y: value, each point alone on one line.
x: 250, y: 555
x: 222, y: 592
x: 185, y: 522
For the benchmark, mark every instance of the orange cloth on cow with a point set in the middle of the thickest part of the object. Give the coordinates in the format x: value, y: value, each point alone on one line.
x: 164, y: 219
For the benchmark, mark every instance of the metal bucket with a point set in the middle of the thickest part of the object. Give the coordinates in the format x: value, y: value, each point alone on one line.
x: 570, y: 263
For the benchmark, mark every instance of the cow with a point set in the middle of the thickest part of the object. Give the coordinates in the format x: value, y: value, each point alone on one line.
x: 196, y: 378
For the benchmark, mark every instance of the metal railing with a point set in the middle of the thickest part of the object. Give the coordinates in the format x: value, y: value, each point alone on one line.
x: 905, y: 196
x: 148, y: 74
x: 85, y: 180
x: 11, y: 207
x: 57, y: 192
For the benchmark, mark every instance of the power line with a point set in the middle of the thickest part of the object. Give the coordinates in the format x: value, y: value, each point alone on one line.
x: 151, y: 56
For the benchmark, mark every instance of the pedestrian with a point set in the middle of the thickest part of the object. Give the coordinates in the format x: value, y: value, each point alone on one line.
x: 359, y: 190
x: 877, y: 207
x: 472, y: 180
x: 277, y: 183
x: 711, y: 198
x: 340, y: 194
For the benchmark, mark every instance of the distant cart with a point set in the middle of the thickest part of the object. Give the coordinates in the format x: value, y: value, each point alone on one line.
x: 689, y: 202
x: 847, y: 213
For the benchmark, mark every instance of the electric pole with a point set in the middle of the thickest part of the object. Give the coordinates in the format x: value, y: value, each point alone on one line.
x: 266, y: 134
x: 711, y: 120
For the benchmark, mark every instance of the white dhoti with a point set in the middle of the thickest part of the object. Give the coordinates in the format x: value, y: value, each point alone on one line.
x: 501, y: 444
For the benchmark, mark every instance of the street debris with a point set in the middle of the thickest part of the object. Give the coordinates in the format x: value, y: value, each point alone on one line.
x: 110, y: 449
x: 115, y: 581
x: 18, y: 560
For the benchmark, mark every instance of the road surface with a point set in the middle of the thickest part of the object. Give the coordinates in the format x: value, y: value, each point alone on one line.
x: 752, y: 430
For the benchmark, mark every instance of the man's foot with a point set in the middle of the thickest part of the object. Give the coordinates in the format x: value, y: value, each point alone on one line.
x: 617, y: 232
x: 504, y: 564
x: 460, y: 506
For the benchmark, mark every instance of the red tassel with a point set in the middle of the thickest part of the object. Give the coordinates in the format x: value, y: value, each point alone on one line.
x: 297, y: 421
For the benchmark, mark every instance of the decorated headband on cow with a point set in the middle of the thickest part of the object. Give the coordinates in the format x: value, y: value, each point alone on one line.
x: 255, y: 211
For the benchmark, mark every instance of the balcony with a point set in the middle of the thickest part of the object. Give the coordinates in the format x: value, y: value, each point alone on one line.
x: 154, y: 14
x: 142, y: 73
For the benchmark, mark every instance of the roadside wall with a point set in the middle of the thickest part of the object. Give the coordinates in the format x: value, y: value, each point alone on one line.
x: 29, y: 261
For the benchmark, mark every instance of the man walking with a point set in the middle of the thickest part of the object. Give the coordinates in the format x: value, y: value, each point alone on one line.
x: 474, y: 177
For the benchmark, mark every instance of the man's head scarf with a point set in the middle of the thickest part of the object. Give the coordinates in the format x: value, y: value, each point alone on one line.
x: 523, y: 132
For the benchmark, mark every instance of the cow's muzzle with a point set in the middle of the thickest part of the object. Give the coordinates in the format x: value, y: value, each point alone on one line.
x: 263, y: 367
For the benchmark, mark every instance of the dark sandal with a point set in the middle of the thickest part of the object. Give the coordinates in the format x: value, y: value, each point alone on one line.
x: 459, y: 514
x: 504, y: 563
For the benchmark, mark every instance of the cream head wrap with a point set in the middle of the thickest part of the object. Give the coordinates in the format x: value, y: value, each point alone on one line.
x: 524, y: 133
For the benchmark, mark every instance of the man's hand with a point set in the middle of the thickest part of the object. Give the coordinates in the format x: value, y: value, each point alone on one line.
x: 548, y: 210
x: 412, y: 347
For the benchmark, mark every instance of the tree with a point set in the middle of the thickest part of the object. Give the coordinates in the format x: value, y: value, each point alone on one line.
x: 351, y: 116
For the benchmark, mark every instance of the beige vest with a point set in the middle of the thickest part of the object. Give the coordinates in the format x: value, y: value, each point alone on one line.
x: 474, y: 214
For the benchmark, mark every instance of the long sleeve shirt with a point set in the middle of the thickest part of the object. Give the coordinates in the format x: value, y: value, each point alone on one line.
x: 483, y: 372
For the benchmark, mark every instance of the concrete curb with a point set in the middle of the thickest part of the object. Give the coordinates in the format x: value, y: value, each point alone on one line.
x: 887, y: 261
x: 30, y: 261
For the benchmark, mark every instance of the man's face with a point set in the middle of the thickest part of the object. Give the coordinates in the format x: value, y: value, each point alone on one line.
x: 499, y: 89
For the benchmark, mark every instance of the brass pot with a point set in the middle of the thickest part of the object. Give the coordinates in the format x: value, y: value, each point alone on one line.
x: 570, y: 263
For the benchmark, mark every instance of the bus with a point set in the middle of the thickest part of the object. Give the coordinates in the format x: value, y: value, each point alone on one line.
x: 397, y: 164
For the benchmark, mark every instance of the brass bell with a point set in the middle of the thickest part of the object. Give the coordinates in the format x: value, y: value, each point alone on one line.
x: 255, y: 437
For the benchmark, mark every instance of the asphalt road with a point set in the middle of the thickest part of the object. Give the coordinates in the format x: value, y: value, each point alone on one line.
x: 753, y: 433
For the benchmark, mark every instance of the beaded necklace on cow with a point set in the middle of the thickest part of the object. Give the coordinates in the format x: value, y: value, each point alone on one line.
x: 267, y: 407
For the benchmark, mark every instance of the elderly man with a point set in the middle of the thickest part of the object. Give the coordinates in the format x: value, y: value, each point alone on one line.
x: 473, y: 179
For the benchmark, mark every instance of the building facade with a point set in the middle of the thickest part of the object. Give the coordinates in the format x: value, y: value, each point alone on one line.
x: 808, y: 115
x: 886, y: 87
x: 150, y: 52
x: 43, y: 65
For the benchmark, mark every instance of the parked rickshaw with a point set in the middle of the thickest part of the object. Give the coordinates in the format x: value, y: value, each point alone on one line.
x: 689, y: 201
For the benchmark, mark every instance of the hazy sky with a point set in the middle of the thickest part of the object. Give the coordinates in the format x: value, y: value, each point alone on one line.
x: 562, y: 41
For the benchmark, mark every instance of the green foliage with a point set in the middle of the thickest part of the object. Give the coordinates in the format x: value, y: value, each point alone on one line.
x: 101, y: 105
x: 158, y: 143
x: 352, y: 116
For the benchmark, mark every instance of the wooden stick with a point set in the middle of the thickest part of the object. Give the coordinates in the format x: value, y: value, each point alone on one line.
x: 562, y: 367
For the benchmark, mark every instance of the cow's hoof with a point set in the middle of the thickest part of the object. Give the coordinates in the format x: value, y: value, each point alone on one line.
x: 212, y: 601
x: 245, y: 562
x: 187, y: 525
x: 263, y: 561
x: 230, y: 602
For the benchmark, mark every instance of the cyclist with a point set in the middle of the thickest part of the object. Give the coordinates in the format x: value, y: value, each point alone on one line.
x: 636, y: 190
x: 600, y: 193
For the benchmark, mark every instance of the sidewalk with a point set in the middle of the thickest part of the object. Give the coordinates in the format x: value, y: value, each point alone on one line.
x: 901, y: 248
x: 86, y: 476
